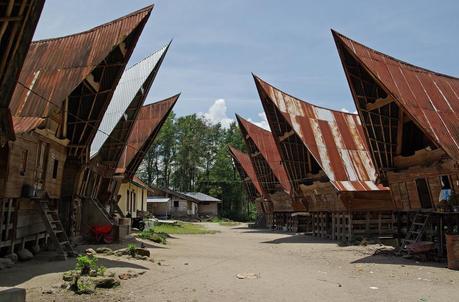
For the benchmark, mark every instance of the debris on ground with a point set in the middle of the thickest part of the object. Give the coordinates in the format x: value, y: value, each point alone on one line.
x: 90, y: 252
x: 248, y: 276
x: 129, y: 275
x: 384, y: 251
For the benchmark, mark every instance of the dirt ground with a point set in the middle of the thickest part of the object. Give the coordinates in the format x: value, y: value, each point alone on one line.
x: 283, y: 267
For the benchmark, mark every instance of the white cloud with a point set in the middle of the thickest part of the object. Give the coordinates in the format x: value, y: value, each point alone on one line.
x: 217, y: 114
x: 263, y: 123
x: 347, y: 111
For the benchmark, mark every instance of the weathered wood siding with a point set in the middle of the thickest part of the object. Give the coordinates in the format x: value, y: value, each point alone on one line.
x: 210, y: 209
x: 403, y: 183
x: 323, y: 197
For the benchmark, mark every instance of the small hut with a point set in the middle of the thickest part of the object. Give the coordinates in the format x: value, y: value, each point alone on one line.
x: 328, y: 165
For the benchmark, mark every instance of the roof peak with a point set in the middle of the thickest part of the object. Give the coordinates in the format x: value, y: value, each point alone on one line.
x: 258, y: 80
x: 337, y: 35
x: 245, y: 122
x: 146, y: 10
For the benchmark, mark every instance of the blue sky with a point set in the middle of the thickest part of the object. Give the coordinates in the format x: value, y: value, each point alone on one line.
x: 217, y: 44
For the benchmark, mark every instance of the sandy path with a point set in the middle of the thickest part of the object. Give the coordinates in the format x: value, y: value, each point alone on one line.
x: 290, y: 268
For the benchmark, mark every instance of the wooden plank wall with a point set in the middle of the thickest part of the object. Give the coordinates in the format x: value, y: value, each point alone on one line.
x: 403, y: 183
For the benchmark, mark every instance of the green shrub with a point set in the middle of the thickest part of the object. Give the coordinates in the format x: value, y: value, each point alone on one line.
x: 131, y: 249
x: 85, y: 264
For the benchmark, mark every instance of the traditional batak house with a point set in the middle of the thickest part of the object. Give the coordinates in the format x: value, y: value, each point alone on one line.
x: 99, y: 187
x: 147, y: 126
x: 270, y: 173
x: 248, y: 176
x: 61, y: 95
x: 329, y: 166
x: 18, y: 20
x: 410, y: 119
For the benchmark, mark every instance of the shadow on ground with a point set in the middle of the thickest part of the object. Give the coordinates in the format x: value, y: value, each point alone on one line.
x: 41, y: 265
x: 396, y: 260
x: 300, y: 239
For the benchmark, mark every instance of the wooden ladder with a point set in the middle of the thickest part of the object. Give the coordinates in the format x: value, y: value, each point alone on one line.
x: 415, y: 232
x: 56, y: 231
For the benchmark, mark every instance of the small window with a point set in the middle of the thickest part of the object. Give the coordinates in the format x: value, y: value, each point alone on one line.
x: 445, y: 182
x: 176, y: 204
x: 24, y: 162
x: 55, y: 167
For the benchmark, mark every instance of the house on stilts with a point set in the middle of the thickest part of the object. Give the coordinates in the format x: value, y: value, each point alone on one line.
x: 271, y: 174
x: 146, y: 128
x: 18, y: 20
x: 99, y: 187
x: 329, y: 167
x: 410, y: 122
x: 62, y: 92
x: 244, y: 167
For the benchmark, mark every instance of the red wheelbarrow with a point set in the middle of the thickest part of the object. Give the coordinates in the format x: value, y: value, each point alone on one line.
x: 102, y: 233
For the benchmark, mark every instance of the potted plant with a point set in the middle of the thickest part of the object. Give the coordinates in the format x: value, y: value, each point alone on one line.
x: 452, y: 247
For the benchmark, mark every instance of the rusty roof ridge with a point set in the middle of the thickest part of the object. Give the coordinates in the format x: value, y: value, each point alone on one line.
x: 258, y: 79
x: 337, y: 35
x: 246, y: 121
x: 147, y: 9
x: 175, y: 96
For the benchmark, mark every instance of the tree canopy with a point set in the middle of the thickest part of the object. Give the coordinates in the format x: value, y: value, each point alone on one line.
x: 190, y: 154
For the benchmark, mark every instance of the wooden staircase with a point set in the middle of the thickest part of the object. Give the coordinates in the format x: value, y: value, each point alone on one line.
x: 415, y: 232
x: 103, y: 211
x: 56, y: 230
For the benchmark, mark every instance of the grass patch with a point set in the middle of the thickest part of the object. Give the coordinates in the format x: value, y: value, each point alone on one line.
x: 225, y: 221
x: 182, y: 228
x: 160, y: 232
x: 152, y: 235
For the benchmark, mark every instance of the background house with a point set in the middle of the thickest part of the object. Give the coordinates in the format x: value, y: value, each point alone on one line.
x: 133, y: 196
x: 169, y: 203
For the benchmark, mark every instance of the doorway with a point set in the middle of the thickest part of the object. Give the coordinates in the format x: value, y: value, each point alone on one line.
x: 424, y: 193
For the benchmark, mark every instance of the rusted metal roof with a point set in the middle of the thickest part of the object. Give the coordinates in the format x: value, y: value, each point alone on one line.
x: 26, y: 124
x: 266, y: 145
x: 146, y: 127
x: 53, y: 68
x: 244, y: 161
x: 429, y: 98
x: 335, y: 139
x: 18, y: 20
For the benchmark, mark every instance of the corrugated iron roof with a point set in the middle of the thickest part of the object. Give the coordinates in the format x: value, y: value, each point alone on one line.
x: 265, y: 143
x: 244, y: 161
x: 201, y: 197
x: 135, y: 81
x: 53, y: 68
x: 147, y: 125
x: 18, y: 20
x: 26, y: 124
x: 431, y: 99
x: 335, y: 139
